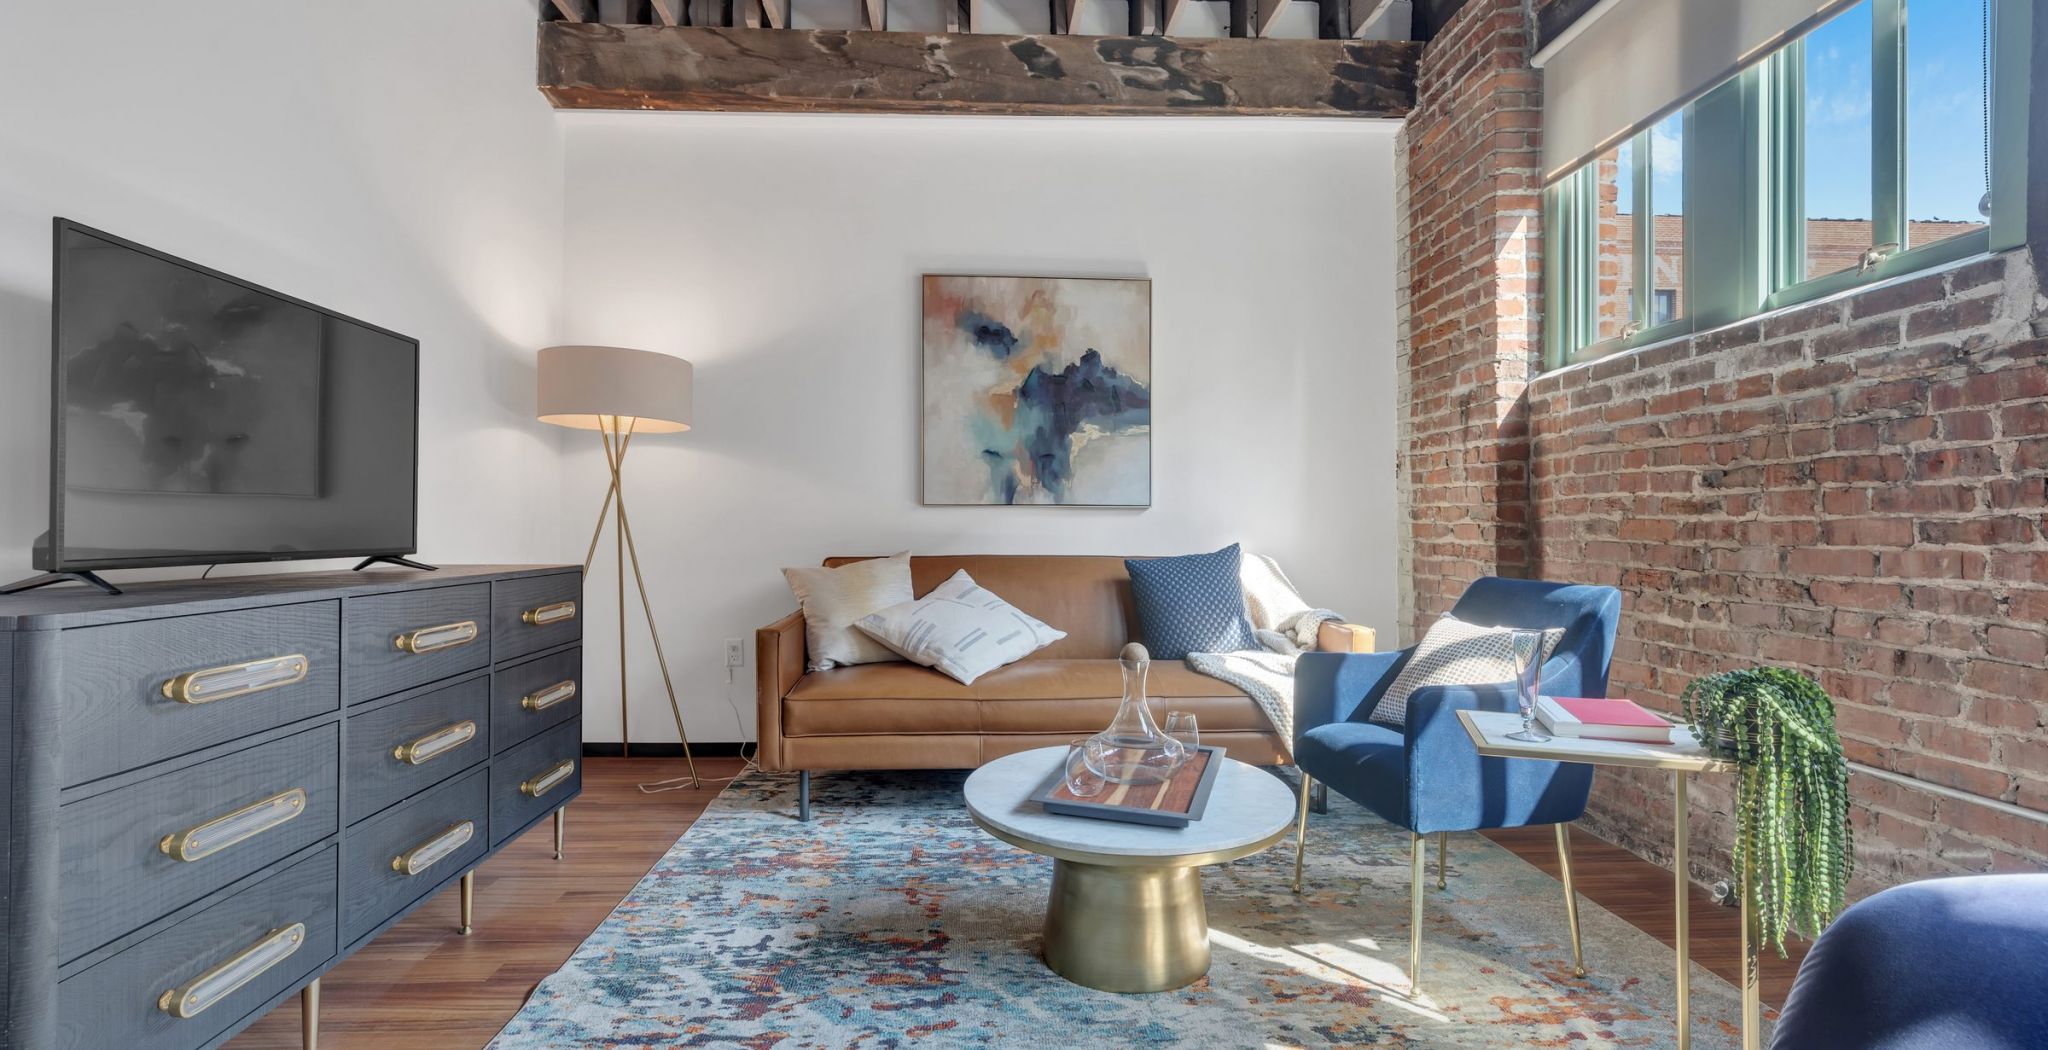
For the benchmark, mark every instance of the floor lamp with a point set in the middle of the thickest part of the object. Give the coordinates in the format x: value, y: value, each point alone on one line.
x: 619, y: 393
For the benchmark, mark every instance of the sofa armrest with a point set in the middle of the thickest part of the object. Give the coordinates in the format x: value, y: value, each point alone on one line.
x: 1451, y: 787
x: 1334, y: 637
x: 778, y: 663
x: 1331, y: 687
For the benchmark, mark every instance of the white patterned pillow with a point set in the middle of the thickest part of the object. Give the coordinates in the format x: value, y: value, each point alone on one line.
x: 833, y: 598
x: 960, y: 629
x: 1454, y: 653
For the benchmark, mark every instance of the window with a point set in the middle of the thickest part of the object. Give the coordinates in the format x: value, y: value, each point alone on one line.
x: 1874, y: 145
x: 1630, y: 207
x: 1892, y: 102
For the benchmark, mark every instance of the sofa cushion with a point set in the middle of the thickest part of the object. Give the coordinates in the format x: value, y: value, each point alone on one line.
x: 1454, y: 652
x: 900, y: 680
x: 1087, y: 596
x: 1191, y: 604
x: 1074, y: 697
x: 833, y: 598
x: 961, y: 629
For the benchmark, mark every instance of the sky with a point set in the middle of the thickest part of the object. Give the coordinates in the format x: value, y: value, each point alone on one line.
x: 1944, y: 112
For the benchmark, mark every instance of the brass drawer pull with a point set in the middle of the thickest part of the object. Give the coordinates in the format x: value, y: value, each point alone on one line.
x: 205, y: 840
x: 547, y: 781
x: 435, y: 639
x: 224, y: 683
x: 543, y: 699
x: 190, y: 999
x: 559, y: 612
x: 434, y: 850
x: 435, y: 744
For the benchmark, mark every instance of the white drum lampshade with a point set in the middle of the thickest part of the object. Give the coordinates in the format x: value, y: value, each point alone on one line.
x: 584, y: 386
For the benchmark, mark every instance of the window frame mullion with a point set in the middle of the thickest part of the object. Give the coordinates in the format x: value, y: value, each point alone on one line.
x: 1888, y: 124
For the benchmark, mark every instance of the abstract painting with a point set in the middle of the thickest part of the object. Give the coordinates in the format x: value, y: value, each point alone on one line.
x: 1037, y: 390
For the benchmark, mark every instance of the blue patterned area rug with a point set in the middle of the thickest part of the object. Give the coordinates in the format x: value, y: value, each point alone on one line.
x: 891, y: 921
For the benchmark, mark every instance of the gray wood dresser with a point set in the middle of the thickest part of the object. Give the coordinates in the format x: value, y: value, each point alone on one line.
x: 213, y: 791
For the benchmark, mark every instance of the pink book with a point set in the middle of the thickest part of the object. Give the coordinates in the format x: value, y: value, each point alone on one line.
x: 1593, y: 718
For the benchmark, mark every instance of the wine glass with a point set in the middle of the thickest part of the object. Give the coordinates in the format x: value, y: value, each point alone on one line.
x: 1527, y: 648
x: 1083, y: 771
x: 1180, y: 725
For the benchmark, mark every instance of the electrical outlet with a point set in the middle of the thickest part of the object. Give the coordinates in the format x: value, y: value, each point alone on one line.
x: 735, y: 653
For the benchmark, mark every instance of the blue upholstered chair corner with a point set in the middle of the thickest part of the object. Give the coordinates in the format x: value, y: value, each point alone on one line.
x: 1937, y: 965
x: 1427, y: 777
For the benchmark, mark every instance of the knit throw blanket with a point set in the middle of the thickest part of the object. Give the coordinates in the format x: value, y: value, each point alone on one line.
x: 1285, y: 627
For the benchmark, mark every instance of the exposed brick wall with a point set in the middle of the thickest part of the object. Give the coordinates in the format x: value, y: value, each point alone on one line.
x: 1854, y: 488
x: 1474, y: 213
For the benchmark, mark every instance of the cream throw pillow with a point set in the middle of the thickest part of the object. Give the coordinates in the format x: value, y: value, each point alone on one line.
x: 1454, y: 653
x: 960, y: 629
x: 832, y: 599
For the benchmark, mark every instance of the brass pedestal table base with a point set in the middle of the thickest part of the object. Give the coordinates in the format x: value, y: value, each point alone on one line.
x: 1125, y: 913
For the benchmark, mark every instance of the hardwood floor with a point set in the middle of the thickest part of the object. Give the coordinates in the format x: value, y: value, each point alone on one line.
x: 422, y: 986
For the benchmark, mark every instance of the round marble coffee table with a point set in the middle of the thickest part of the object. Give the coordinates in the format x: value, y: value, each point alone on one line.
x: 1126, y: 911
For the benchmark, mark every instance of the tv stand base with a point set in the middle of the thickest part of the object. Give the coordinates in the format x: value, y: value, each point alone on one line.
x: 49, y: 578
x: 393, y: 559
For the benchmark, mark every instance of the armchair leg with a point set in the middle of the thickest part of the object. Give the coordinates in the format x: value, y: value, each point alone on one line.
x: 1321, y: 803
x: 1443, y: 862
x: 1415, y: 846
x: 1301, y: 831
x: 1571, y: 897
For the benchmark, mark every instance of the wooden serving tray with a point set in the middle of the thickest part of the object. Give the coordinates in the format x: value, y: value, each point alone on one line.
x: 1174, y: 804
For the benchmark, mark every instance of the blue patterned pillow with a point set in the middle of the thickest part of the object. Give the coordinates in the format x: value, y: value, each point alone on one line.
x: 1190, y: 604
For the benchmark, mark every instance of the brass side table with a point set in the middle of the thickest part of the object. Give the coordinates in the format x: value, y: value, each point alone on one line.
x: 1126, y: 912
x: 1489, y: 732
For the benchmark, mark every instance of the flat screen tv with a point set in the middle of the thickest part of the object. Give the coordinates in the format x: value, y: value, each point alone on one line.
x: 197, y: 418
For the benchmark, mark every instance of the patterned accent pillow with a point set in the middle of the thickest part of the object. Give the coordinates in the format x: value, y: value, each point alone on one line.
x: 1454, y: 653
x: 1190, y: 604
x: 960, y: 629
x: 833, y: 598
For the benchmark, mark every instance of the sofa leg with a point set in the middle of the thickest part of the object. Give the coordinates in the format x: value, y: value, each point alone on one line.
x: 1319, y: 800
x: 803, y: 795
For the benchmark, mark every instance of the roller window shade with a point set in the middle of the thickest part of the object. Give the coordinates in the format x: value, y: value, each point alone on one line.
x: 1626, y: 63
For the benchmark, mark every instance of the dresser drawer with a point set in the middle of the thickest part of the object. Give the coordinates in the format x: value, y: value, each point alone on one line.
x: 136, y: 693
x: 536, y: 612
x: 530, y: 780
x: 119, y: 853
x: 403, y: 853
x: 397, y: 751
x: 397, y: 641
x: 286, y: 925
x: 541, y: 693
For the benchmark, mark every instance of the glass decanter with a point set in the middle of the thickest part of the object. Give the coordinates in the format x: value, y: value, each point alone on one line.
x: 1134, y: 751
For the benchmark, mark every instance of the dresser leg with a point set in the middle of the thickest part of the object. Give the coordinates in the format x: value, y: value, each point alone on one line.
x: 309, y: 1014
x: 560, y: 816
x: 468, y: 900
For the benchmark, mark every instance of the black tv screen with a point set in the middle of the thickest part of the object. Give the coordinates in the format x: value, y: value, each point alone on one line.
x: 198, y: 418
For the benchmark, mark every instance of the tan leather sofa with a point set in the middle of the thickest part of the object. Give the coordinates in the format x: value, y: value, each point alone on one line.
x: 903, y: 716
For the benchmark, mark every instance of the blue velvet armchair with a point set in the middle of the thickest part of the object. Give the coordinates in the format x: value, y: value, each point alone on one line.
x: 1426, y: 777
x: 1938, y: 965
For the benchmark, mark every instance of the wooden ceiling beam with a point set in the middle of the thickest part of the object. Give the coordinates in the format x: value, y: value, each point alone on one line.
x: 1172, y: 15
x: 586, y: 66
x: 576, y: 10
x: 670, y: 12
x: 874, y: 14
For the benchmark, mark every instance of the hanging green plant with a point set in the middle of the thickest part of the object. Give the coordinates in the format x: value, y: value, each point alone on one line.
x: 1792, y: 793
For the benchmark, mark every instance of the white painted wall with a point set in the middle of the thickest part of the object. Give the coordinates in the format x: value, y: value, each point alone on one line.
x: 782, y: 255
x: 387, y: 159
